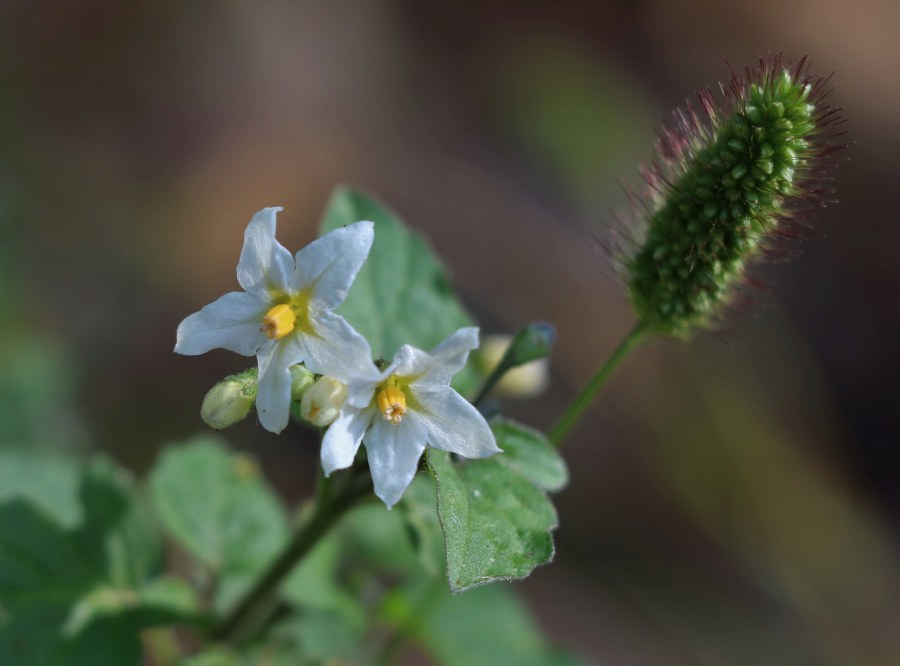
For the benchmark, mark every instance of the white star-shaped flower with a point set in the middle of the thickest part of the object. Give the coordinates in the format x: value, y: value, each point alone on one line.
x: 284, y: 315
x: 396, y: 411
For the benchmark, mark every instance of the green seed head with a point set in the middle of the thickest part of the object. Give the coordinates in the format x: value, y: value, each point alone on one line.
x: 723, y: 190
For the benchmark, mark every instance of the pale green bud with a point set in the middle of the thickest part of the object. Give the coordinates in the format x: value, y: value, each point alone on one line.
x: 227, y: 402
x: 322, y: 402
x: 301, y: 379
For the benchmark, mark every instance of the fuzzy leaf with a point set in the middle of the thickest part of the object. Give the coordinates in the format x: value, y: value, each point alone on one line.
x: 528, y: 453
x: 402, y: 295
x: 216, y: 505
x: 496, y: 523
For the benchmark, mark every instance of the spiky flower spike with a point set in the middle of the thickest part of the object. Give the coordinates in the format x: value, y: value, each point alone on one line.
x: 724, y: 188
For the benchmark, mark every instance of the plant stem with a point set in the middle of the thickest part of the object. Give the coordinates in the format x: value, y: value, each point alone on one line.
x: 329, y: 507
x: 582, y: 401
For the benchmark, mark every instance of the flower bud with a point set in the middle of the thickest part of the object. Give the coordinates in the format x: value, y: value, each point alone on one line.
x: 523, y: 381
x: 724, y: 190
x: 228, y: 402
x: 322, y: 402
x: 301, y: 379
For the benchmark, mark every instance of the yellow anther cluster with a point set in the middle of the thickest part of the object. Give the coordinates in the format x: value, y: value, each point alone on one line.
x: 392, y: 404
x: 279, y: 321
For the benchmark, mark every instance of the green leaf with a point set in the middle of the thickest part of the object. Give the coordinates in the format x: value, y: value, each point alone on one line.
x: 165, y: 601
x: 313, y: 584
x: 485, y: 627
x: 48, y: 482
x: 40, y: 562
x: 419, y: 508
x: 375, y: 539
x: 496, y: 523
x: 216, y: 505
x: 320, y: 637
x: 117, y: 521
x: 78, y: 594
x: 529, y: 453
x: 402, y: 295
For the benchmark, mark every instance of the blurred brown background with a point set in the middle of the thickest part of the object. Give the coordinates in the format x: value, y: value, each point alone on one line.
x: 734, y: 501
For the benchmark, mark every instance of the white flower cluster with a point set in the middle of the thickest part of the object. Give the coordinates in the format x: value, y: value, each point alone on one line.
x: 285, y: 317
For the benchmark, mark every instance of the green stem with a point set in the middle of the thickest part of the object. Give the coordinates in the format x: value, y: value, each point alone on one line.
x: 502, y: 368
x: 582, y: 401
x: 329, y: 507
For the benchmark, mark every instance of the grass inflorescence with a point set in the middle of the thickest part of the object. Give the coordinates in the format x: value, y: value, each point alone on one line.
x: 728, y: 183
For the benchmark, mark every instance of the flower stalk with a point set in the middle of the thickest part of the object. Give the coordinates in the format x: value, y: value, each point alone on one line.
x: 332, y: 502
x: 591, y: 390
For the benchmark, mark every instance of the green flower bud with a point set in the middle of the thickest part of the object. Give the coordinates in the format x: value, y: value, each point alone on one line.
x: 723, y: 191
x: 522, y: 381
x: 322, y: 402
x: 301, y: 379
x: 522, y: 362
x: 230, y: 400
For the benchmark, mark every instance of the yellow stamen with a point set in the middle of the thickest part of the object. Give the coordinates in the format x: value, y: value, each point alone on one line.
x: 392, y: 403
x: 279, y: 321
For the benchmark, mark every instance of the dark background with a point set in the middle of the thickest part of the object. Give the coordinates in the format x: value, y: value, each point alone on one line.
x: 734, y: 499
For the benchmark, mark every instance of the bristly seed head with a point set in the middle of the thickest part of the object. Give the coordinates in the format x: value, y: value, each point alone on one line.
x: 724, y: 188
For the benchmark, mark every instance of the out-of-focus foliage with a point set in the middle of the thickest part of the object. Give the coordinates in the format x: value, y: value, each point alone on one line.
x: 80, y: 594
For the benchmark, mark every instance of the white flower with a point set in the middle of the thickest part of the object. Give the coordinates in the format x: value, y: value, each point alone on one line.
x: 285, y: 316
x: 395, y: 412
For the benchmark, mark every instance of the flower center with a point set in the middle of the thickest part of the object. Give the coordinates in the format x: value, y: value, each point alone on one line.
x: 391, y: 403
x: 279, y: 321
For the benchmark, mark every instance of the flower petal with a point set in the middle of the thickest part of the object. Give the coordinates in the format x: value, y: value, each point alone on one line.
x: 273, y: 400
x: 438, y: 366
x: 394, y: 452
x: 334, y: 348
x: 329, y: 264
x: 232, y: 322
x: 265, y: 265
x: 454, y: 424
x: 341, y: 441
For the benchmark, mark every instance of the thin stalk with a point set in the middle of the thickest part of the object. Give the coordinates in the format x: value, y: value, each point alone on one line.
x: 502, y: 368
x: 583, y: 400
x: 329, y: 507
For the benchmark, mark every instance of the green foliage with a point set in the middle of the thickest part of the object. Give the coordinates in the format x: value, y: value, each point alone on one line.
x: 78, y: 592
x: 49, y: 483
x: 402, y: 295
x: 496, y: 518
x: 215, y: 504
x: 486, y: 626
x: 314, y: 585
x: 528, y: 453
